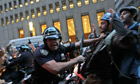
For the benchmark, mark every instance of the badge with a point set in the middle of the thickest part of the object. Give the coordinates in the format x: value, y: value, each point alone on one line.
x: 67, y: 45
x: 44, y: 52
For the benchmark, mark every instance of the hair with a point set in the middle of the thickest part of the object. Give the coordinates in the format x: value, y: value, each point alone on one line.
x: 1, y: 51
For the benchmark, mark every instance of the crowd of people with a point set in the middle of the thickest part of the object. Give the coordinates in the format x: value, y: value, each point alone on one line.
x: 114, y: 58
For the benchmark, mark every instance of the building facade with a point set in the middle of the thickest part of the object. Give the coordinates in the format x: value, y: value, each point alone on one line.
x: 24, y: 18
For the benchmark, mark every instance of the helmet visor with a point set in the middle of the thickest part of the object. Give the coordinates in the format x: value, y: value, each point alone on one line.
x: 52, y: 37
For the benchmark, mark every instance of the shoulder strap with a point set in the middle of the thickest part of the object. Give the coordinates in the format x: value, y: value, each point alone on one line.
x: 108, y: 38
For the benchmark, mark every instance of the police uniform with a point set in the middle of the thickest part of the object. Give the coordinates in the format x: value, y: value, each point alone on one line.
x: 42, y: 55
x: 25, y: 62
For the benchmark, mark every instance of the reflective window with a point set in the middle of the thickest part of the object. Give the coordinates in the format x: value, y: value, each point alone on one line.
x: 44, y: 10
x: 86, y: 25
x: 21, y: 17
x: 27, y: 15
x: 31, y: 29
x: 139, y: 8
x: 26, y: 2
x: 10, y: 6
x: 64, y: 5
x: 71, y: 29
x: 37, y: 0
x: 57, y: 7
x: 15, y: 4
x: 7, y: 21
x: 38, y: 12
x: 16, y: 18
x: 20, y: 3
x: 43, y: 27
x: 33, y: 13
x: 6, y: 9
x: 12, y: 19
x: 21, y: 33
x: 99, y: 16
x: 31, y: 1
x: 79, y: 3
x: 94, y: 1
x: 1, y: 10
x: 86, y: 2
x: 51, y: 8
x: 2, y: 22
x: 57, y: 25
x: 71, y: 4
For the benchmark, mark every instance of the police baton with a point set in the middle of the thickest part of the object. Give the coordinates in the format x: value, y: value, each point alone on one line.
x: 81, y: 50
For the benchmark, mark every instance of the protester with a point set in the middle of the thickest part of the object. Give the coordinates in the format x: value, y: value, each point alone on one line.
x: 127, y: 60
x: 98, y: 67
x: 48, y: 58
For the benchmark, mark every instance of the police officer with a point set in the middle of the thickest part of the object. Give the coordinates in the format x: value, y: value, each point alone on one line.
x: 24, y: 62
x: 48, y: 58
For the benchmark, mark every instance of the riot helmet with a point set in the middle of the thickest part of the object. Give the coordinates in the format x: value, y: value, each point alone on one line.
x: 24, y: 48
x: 51, y: 33
x: 133, y: 10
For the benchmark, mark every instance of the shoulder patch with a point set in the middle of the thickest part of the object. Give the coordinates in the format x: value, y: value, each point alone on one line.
x: 44, y: 52
x: 67, y: 45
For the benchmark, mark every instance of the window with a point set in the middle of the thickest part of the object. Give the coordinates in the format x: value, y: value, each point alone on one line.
x: 31, y: 1
x: 12, y: 20
x: 79, y: 3
x: 71, y: 30
x: 27, y: 15
x: 38, y: 12
x: 21, y: 33
x: 37, y: 0
x: 20, y: 3
x: 102, y: 0
x: 71, y: 4
x: 26, y: 3
x: 33, y: 13
x: 16, y: 18
x: 1, y: 10
x: 57, y: 25
x: 94, y: 1
x: 86, y: 2
x: 21, y: 17
x: 51, y: 8
x: 86, y: 25
x: 64, y: 5
x: 139, y: 8
x: 10, y: 6
x: 99, y: 16
x: 44, y: 10
x: 6, y: 9
x: 7, y: 21
x: 2, y: 22
x: 31, y: 29
x: 43, y: 27
x: 57, y: 7
x: 15, y: 4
